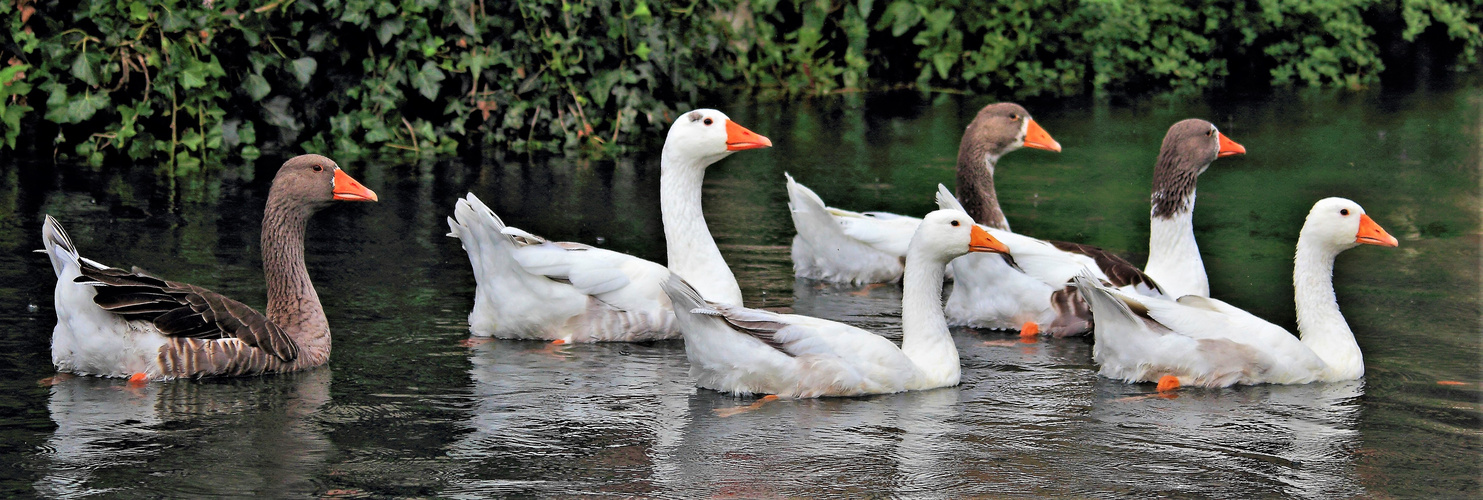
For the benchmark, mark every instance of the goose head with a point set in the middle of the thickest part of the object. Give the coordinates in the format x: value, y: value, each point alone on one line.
x: 1193, y: 143
x: 1003, y: 127
x: 705, y: 136
x: 1188, y: 149
x: 1339, y: 224
x: 945, y: 235
x: 315, y: 181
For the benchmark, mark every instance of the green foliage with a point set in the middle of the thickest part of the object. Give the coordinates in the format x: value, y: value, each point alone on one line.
x: 181, y: 83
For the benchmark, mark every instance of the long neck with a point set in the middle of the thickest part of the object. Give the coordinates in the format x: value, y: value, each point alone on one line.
x: 292, y: 302
x: 924, y: 335
x: 976, y: 188
x: 691, y: 249
x: 1173, y: 257
x: 1320, y: 324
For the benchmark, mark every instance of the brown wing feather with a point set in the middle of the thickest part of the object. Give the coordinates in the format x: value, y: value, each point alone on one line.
x: 1119, y: 271
x: 182, y: 310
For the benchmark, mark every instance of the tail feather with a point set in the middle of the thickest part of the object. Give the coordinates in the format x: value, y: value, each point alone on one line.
x: 809, y: 211
x: 59, y: 246
x: 684, y: 297
x: 946, y: 200
x: 483, y: 237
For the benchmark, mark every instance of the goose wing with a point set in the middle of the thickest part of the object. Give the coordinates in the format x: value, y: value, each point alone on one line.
x: 184, y: 310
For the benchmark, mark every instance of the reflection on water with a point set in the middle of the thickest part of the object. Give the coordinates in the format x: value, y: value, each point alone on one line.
x: 411, y: 406
x: 250, y: 437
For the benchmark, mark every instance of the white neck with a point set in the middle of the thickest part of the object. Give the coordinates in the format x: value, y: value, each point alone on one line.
x: 1173, y: 257
x: 1320, y: 324
x: 924, y: 335
x: 692, y: 251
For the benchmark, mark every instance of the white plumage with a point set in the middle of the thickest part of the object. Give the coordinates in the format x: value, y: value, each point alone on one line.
x: 530, y: 288
x: 749, y: 351
x: 1206, y: 342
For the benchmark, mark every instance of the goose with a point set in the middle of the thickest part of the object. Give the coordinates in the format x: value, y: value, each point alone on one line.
x: 531, y: 288
x: 869, y: 247
x: 990, y: 293
x: 1173, y: 258
x: 750, y: 351
x: 117, y: 323
x: 1206, y: 342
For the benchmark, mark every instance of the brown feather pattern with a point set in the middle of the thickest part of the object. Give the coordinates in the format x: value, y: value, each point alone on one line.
x: 187, y: 311
x: 1119, y: 271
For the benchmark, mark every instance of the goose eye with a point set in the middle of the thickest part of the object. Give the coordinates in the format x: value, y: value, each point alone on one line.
x: 1344, y: 212
x: 955, y: 223
x: 318, y: 168
x: 1014, y: 116
x: 707, y: 121
x: 1210, y: 133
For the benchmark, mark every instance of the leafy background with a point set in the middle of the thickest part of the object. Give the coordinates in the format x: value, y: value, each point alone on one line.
x: 178, y: 84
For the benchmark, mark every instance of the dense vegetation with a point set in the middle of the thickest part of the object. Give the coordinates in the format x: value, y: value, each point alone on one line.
x: 183, y: 82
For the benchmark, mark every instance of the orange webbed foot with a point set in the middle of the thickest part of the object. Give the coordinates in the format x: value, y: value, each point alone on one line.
x: 138, y: 379
x: 727, y: 412
x: 1168, y: 383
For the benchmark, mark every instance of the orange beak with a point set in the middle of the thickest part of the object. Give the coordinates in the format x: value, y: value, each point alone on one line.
x: 348, y: 189
x: 1038, y: 138
x: 981, y: 241
x: 1370, y: 233
x: 739, y: 138
x: 1228, y: 147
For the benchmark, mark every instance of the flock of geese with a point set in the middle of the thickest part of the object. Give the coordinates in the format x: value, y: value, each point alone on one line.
x: 1155, y: 324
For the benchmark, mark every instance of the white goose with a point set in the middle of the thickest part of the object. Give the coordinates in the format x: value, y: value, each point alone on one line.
x: 749, y: 351
x: 839, y: 245
x: 530, y: 288
x: 989, y: 293
x: 1206, y: 342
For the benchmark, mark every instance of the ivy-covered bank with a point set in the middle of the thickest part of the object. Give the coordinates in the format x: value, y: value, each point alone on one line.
x: 180, y: 83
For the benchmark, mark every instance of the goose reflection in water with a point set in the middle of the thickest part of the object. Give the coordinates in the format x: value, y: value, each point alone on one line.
x: 587, y: 416
x: 259, y: 432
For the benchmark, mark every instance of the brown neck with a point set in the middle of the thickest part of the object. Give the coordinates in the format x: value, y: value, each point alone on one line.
x: 292, y: 302
x: 976, y: 186
x: 1173, y: 183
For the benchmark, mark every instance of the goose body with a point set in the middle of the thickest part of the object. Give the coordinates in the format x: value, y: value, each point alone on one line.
x: 1207, y: 342
x: 749, y: 351
x: 531, y: 288
x: 117, y: 323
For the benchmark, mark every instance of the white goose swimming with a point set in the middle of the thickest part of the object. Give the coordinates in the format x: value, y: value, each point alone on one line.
x: 749, y: 351
x: 854, y: 247
x: 1206, y: 342
x: 530, y: 288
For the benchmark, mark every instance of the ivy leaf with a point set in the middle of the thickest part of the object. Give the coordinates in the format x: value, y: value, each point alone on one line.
x: 943, y: 61
x: 643, y: 51
x: 389, y: 28
x: 193, y: 77
x: 427, y: 81
x: 303, y: 69
x: 83, y: 107
x: 257, y: 87
x: 83, y: 70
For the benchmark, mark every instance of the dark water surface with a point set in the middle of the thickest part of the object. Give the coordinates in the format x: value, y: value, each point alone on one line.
x: 410, y: 405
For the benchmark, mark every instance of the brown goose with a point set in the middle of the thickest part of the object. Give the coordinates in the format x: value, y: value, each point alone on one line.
x: 117, y: 323
x: 990, y: 293
x: 839, y: 245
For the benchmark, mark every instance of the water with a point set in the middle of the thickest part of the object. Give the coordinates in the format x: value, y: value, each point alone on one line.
x: 410, y: 405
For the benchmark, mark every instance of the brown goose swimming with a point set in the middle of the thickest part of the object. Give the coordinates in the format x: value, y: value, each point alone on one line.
x: 989, y: 293
x: 117, y: 323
